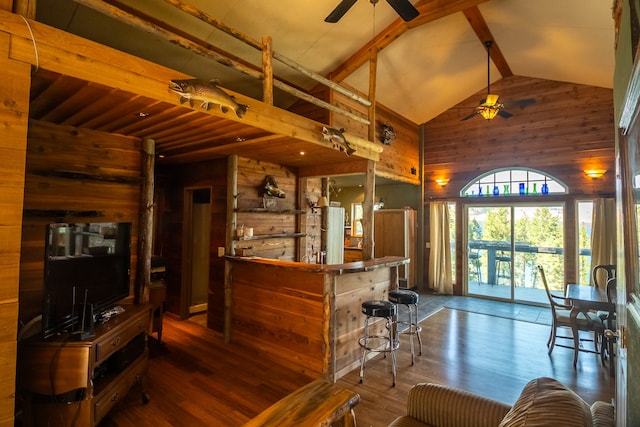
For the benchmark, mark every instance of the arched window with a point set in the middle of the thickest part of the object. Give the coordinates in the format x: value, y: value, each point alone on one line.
x: 513, y: 182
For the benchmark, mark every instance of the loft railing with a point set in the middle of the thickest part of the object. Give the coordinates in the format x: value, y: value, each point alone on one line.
x: 201, y: 48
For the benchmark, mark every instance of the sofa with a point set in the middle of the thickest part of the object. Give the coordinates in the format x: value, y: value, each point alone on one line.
x: 542, y: 402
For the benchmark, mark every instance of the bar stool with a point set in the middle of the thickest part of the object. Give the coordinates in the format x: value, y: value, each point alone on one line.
x: 379, y: 343
x: 503, y: 267
x: 410, y: 300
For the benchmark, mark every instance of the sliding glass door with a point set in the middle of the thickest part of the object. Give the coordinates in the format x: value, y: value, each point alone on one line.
x: 504, y: 246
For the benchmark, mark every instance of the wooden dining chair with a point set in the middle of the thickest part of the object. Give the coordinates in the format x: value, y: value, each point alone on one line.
x: 608, y: 322
x: 561, y: 318
x: 610, y: 269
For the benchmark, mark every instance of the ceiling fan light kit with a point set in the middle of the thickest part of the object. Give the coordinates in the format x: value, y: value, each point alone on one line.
x: 489, y: 113
x: 489, y: 107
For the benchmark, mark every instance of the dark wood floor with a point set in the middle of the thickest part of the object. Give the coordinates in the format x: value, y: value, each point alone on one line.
x: 196, y: 380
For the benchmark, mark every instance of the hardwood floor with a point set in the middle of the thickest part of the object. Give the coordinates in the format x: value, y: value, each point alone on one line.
x: 196, y: 380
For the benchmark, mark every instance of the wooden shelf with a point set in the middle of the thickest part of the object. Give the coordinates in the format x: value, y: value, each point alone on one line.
x: 274, y: 211
x: 272, y: 236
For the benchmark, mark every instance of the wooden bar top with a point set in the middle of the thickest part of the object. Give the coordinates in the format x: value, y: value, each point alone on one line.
x: 336, y: 269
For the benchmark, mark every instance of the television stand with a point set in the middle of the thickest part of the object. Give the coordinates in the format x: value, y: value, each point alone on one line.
x: 76, y: 383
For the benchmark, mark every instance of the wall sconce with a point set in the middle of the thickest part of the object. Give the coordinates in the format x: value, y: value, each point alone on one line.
x: 595, y: 173
x: 442, y: 181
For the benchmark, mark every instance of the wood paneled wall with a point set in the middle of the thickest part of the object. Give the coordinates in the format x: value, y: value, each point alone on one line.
x: 74, y: 175
x: 281, y: 312
x: 251, y: 189
x: 400, y: 160
x: 173, y: 182
x: 570, y: 128
x: 14, y: 108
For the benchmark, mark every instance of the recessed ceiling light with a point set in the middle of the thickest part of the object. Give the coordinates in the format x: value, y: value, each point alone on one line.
x: 302, y: 153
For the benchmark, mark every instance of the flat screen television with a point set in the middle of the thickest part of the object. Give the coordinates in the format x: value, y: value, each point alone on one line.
x: 84, y: 263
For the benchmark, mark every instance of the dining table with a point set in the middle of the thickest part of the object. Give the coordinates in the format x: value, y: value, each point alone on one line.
x: 584, y: 298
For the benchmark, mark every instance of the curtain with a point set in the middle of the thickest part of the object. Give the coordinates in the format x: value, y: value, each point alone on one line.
x: 440, y: 256
x: 603, y: 236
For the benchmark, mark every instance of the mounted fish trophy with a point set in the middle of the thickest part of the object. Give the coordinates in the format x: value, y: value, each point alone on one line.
x: 207, y: 93
x: 336, y: 137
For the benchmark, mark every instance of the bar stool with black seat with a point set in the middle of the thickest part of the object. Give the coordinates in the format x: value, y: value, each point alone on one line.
x: 410, y: 300
x: 376, y: 342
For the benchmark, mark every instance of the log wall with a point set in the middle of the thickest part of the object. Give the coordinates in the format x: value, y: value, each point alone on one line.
x: 14, y: 108
x: 74, y: 175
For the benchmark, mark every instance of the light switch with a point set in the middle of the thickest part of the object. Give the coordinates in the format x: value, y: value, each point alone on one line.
x: 221, y: 251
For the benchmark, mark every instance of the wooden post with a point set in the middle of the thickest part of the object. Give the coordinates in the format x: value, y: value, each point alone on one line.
x: 14, y: 115
x: 267, y: 70
x: 367, y: 212
x: 325, y: 222
x: 232, y: 204
x: 145, y: 234
x: 25, y: 8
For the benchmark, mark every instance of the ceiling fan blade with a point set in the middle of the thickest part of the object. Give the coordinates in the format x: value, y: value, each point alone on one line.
x: 504, y: 114
x: 404, y: 8
x: 520, y: 102
x: 339, y: 11
x: 475, y: 113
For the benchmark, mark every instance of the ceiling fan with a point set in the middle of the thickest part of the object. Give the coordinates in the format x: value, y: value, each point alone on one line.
x: 489, y: 107
x: 402, y: 7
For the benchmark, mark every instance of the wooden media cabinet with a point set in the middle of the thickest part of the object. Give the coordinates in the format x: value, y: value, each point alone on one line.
x: 74, y: 383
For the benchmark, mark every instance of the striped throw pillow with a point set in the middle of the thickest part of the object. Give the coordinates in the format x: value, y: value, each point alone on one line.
x: 546, y: 402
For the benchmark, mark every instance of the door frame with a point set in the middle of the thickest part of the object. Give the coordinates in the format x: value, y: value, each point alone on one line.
x: 512, y: 206
x: 187, y: 237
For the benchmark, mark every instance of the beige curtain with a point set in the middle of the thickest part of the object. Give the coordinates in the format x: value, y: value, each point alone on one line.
x: 603, y: 236
x: 440, y: 255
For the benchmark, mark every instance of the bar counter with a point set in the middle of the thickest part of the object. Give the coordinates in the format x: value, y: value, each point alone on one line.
x: 307, y: 316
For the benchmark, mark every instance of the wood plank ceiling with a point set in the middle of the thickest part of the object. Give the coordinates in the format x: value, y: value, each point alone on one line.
x: 182, y: 134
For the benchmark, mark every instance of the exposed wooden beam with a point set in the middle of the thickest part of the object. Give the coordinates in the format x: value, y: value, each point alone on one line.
x: 430, y: 10
x: 481, y: 28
